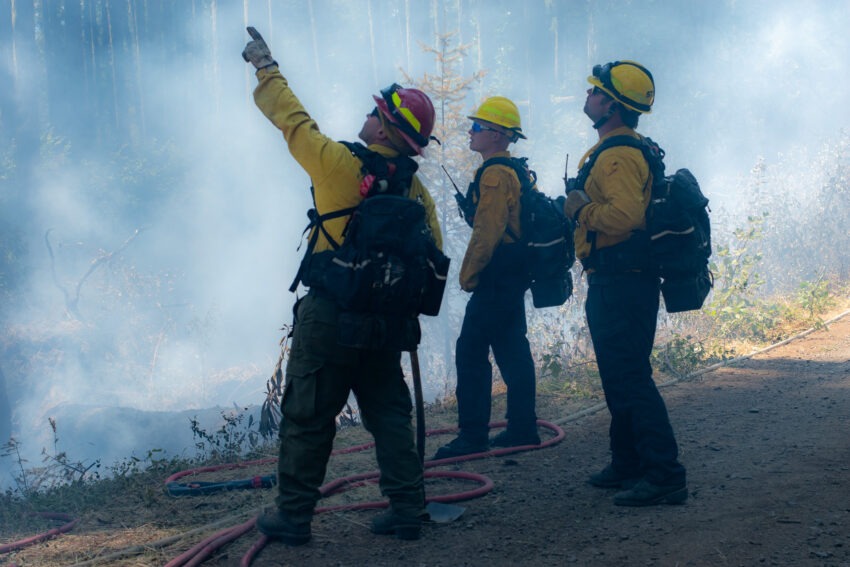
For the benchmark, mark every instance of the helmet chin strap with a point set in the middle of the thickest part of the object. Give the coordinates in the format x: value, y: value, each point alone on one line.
x: 599, y: 123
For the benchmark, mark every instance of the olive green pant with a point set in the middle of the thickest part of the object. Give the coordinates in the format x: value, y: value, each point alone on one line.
x: 319, y: 376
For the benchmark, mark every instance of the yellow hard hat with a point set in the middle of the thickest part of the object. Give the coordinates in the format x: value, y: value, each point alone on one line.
x: 627, y: 82
x: 502, y: 112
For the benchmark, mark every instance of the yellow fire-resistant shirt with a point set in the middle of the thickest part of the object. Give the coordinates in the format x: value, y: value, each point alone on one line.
x: 335, y: 173
x: 498, y: 208
x: 619, y: 187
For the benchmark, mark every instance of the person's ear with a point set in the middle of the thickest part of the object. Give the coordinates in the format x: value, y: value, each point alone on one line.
x: 612, y: 108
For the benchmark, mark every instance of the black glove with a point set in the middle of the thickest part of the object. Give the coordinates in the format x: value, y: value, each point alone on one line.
x: 257, y: 52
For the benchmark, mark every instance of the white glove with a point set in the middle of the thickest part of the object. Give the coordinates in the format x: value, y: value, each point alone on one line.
x: 257, y: 52
x: 576, y: 201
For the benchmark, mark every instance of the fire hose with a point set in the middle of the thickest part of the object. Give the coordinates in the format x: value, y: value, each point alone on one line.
x: 204, y: 549
x: 210, y: 544
x: 69, y: 524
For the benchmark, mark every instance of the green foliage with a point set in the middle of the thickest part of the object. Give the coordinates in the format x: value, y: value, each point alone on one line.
x: 57, y: 468
x: 551, y: 363
x: 681, y: 355
x: 230, y: 442
x: 562, y: 349
x: 735, y: 306
x: 815, y: 298
x: 578, y: 380
x: 807, y: 195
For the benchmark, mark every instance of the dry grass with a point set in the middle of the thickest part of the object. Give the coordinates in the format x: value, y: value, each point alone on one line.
x: 131, y: 520
x: 136, y: 514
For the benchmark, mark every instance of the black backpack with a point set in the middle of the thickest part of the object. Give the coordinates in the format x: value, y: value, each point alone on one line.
x: 388, y: 269
x: 678, y: 228
x: 547, y: 234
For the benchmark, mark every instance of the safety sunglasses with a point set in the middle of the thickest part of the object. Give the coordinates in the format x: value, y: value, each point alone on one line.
x: 476, y: 127
x: 405, y: 120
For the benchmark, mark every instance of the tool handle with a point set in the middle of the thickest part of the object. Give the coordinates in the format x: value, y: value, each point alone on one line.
x: 420, y: 406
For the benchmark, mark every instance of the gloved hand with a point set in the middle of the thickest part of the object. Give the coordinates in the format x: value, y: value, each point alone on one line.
x: 257, y: 52
x: 576, y: 201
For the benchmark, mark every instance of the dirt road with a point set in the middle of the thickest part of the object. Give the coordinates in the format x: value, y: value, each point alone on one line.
x: 767, y: 447
x: 765, y: 442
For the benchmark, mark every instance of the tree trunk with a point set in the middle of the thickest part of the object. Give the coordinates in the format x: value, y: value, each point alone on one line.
x: 14, y: 15
x: 134, y: 36
x: 112, y: 66
x: 407, y: 30
x: 42, y: 98
x: 214, y: 39
x: 372, y: 40
x: 435, y: 17
x: 555, y: 50
x: 591, y: 46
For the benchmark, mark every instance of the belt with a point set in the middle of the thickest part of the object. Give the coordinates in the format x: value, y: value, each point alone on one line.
x: 595, y: 278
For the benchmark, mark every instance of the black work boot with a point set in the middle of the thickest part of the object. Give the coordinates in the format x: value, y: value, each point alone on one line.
x: 460, y: 446
x: 611, y: 478
x: 509, y: 438
x: 646, y: 494
x: 277, y: 525
x: 391, y: 522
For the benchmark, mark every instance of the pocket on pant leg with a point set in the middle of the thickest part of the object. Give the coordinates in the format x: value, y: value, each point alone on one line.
x: 300, y: 393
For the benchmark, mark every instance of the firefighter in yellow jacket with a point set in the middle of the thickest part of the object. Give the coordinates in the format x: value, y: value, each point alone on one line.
x: 494, y: 271
x: 623, y: 296
x: 320, y: 373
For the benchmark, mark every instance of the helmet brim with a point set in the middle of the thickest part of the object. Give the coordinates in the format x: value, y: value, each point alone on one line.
x: 510, y: 132
x: 598, y: 84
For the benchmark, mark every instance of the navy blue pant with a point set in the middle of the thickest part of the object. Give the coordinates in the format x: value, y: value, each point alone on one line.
x: 622, y: 313
x: 495, y: 318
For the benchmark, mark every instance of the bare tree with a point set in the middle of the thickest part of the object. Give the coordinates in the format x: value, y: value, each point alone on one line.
x: 450, y: 92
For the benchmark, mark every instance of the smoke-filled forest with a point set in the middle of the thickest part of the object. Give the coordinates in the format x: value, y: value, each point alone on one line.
x: 151, y: 216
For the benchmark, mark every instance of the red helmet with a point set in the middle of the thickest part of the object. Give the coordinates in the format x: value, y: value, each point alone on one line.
x: 409, y: 110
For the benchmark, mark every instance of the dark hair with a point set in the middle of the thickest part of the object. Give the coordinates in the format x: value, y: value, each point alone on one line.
x: 630, y: 117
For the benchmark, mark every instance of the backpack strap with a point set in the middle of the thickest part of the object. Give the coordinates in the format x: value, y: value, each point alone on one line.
x: 392, y: 176
x: 652, y: 153
x: 315, y: 225
x: 527, y: 179
x: 389, y: 176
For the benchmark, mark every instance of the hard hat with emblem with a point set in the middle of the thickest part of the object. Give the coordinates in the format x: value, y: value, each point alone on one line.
x: 502, y: 112
x: 627, y: 82
x: 411, y: 112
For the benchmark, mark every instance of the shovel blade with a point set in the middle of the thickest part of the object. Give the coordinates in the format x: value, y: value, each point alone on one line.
x: 442, y: 513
